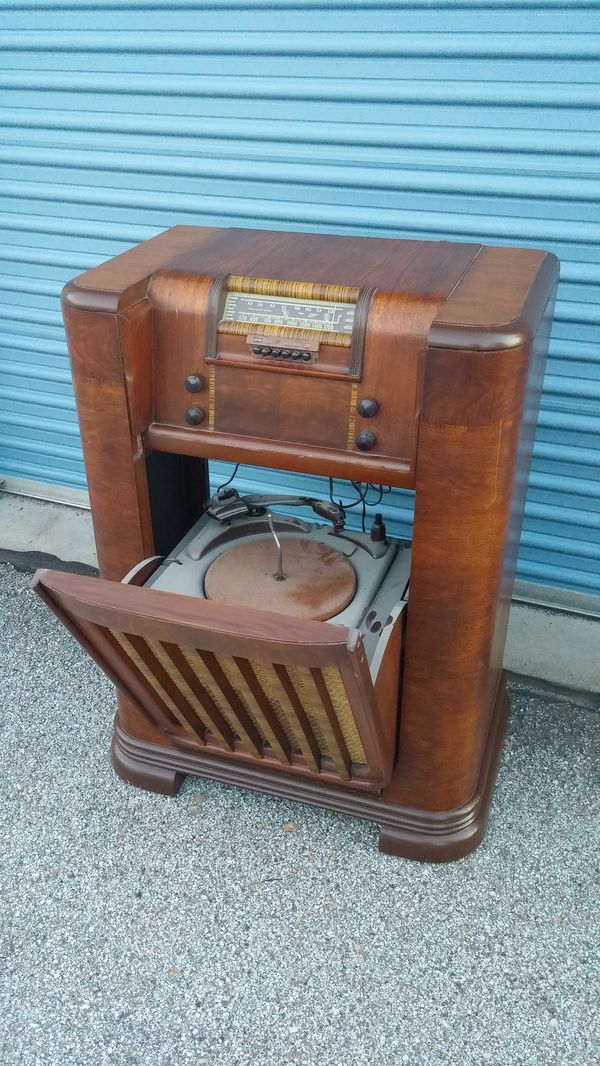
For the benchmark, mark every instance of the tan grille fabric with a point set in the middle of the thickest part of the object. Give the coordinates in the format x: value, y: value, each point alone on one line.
x: 306, y: 687
x: 339, y: 698
x: 272, y: 690
x: 237, y: 675
x: 152, y: 680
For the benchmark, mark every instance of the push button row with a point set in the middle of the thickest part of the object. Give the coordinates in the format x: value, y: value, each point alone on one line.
x: 283, y: 353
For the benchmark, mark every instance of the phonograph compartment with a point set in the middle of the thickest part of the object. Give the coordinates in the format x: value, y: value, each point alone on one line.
x: 281, y: 650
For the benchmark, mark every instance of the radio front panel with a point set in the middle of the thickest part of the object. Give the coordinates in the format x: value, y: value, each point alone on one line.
x: 280, y: 364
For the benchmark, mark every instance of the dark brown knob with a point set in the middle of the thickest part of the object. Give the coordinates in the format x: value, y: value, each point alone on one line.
x: 194, y: 383
x: 368, y: 408
x: 365, y: 441
x: 194, y: 416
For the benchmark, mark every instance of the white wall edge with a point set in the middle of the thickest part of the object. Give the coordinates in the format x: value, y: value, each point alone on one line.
x: 39, y: 490
x: 553, y: 645
x: 562, y: 599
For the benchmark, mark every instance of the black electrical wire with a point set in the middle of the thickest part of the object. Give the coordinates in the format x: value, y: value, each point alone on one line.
x: 229, y: 479
x: 362, y: 489
x: 357, y: 486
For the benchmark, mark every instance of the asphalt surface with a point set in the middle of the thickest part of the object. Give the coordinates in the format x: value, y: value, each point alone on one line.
x: 234, y: 929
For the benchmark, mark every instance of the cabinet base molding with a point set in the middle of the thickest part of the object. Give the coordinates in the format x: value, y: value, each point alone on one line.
x: 408, y: 832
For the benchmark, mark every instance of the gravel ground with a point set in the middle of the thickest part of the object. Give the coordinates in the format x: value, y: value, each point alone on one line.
x: 229, y: 928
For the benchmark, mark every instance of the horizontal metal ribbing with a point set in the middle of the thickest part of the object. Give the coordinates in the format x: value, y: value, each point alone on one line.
x: 501, y: 228
x: 414, y: 120
x: 131, y: 166
x: 403, y: 135
x: 431, y: 45
x: 378, y: 90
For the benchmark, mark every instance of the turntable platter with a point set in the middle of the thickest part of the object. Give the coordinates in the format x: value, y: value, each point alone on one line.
x: 318, y: 583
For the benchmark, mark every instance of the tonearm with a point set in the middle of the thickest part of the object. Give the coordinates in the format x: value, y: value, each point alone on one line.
x: 227, y: 504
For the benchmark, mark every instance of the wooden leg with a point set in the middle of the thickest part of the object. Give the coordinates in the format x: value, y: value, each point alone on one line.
x: 425, y: 848
x: 444, y: 836
x: 144, y: 774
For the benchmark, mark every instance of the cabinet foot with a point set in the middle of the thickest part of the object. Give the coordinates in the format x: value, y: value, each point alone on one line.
x: 143, y: 774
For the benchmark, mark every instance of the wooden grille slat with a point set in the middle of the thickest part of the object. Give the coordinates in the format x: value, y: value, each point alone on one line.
x: 185, y: 714
x: 198, y: 696
x: 138, y: 665
x: 338, y: 694
x: 210, y: 674
x: 312, y: 682
x: 207, y: 682
x: 148, y: 665
x: 313, y: 705
x: 276, y: 694
x: 213, y: 665
x: 246, y: 684
x: 154, y: 707
x: 288, y: 696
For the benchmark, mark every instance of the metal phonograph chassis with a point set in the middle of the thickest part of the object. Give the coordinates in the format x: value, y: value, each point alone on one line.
x: 284, y: 651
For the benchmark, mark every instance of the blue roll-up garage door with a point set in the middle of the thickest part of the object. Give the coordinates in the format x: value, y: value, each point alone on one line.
x: 472, y: 121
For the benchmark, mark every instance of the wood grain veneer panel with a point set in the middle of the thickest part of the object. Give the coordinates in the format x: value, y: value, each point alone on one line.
x: 494, y: 290
x: 461, y: 528
x: 114, y: 458
x: 426, y: 267
x: 121, y: 281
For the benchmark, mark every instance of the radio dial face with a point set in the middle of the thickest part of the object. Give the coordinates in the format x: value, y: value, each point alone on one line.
x: 280, y: 311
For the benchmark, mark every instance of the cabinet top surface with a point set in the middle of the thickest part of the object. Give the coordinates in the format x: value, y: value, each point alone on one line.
x: 487, y: 291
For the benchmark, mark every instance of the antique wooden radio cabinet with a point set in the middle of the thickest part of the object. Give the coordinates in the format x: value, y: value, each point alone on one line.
x: 297, y: 655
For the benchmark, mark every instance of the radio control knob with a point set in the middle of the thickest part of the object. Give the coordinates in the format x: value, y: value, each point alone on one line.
x: 194, y: 383
x: 194, y: 416
x: 365, y: 441
x: 368, y: 408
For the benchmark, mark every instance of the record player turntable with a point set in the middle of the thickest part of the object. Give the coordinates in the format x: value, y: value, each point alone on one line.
x: 240, y: 553
x: 281, y: 650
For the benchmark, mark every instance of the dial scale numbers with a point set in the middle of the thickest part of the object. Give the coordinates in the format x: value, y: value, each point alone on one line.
x: 281, y: 311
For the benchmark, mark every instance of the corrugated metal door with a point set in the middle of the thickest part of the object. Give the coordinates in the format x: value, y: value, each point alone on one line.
x: 473, y: 121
